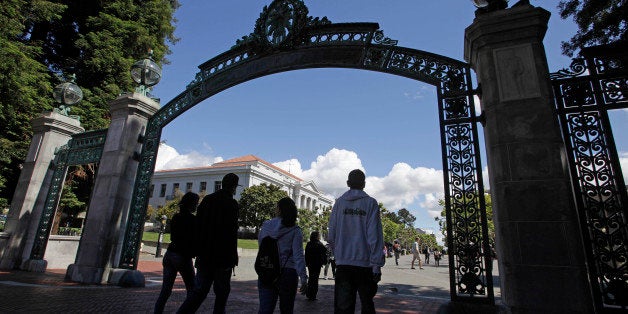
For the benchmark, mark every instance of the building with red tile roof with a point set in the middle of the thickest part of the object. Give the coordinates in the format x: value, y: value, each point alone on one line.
x: 251, y: 169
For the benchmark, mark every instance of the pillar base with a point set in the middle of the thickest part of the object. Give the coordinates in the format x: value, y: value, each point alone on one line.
x: 84, y: 274
x: 127, y: 278
x: 35, y: 265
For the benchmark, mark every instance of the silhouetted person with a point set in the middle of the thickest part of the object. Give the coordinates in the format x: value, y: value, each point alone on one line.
x: 217, y: 254
x: 356, y: 237
x: 315, y: 258
x: 178, y: 257
x: 331, y: 261
x: 290, y: 242
x: 396, y: 251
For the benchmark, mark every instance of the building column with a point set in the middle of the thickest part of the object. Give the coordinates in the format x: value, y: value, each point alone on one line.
x: 99, y: 249
x: 50, y: 131
x: 539, y: 243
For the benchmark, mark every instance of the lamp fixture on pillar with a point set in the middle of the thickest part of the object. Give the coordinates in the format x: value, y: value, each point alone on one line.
x: 146, y: 73
x: 67, y: 94
x: 485, y: 6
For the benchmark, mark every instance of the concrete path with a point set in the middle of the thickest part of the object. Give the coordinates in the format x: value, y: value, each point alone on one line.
x: 402, y: 290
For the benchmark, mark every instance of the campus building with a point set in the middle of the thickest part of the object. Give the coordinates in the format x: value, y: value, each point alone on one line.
x: 251, y: 169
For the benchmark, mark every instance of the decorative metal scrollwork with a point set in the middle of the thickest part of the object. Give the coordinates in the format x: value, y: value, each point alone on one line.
x: 577, y: 67
x: 274, y: 45
x: 582, y: 103
x: 83, y: 148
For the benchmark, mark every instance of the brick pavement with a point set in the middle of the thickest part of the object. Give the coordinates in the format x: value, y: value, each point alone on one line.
x: 25, y: 292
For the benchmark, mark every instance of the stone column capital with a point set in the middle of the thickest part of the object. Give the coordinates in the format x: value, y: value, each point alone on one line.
x: 52, y: 121
x: 504, y: 28
x: 133, y: 103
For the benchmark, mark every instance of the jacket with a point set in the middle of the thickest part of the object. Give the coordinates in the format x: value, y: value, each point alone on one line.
x: 290, y: 242
x: 315, y: 254
x: 355, y: 231
x: 182, y: 237
x: 217, y: 227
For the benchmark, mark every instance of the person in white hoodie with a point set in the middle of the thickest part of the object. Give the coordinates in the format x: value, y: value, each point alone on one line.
x: 290, y: 242
x: 356, y: 238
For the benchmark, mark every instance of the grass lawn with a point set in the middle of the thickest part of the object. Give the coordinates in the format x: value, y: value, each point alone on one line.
x: 242, y: 243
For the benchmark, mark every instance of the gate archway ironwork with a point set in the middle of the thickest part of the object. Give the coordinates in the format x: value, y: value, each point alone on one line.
x: 584, y: 93
x: 83, y: 148
x: 285, y: 38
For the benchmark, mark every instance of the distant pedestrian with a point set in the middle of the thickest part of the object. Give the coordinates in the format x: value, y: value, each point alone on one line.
x: 416, y: 253
x: 217, y: 227
x: 331, y: 261
x: 178, y: 257
x: 356, y: 237
x: 396, y: 251
x: 427, y: 251
x: 315, y: 258
x: 290, y: 242
x: 437, y: 257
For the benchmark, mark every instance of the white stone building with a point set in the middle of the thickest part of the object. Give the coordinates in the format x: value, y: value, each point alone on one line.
x: 252, y: 171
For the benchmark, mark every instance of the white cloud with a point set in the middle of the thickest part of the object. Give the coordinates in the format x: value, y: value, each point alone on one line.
x: 169, y: 158
x: 403, y: 185
x: 292, y: 165
x: 623, y: 160
x: 430, y: 203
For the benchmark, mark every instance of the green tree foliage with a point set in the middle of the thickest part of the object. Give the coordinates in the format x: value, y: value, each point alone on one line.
x: 599, y: 22
x: 96, y: 40
x: 442, y: 220
x: 405, y: 217
x: 170, y: 208
x: 259, y: 203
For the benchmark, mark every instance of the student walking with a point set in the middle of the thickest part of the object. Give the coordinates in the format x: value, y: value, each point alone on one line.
x: 315, y: 258
x: 416, y: 253
x: 178, y: 257
x: 290, y: 243
x: 217, y: 227
x: 356, y: 237
x: 331, y: 261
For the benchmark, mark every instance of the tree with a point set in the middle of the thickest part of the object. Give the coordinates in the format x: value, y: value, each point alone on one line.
x: 406, y: 218
x: 259, y: 203
x: 599, y: 22
x: 96, y: 40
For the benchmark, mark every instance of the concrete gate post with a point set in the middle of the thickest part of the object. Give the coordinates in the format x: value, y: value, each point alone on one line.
x: 50, y: 131
x: 99, y: 249
x: 539, y: 243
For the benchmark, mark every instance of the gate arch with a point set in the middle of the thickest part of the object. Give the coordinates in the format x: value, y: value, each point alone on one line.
x: 286, y: 38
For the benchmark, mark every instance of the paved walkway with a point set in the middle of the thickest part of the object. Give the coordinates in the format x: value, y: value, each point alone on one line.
x: 402, y: 290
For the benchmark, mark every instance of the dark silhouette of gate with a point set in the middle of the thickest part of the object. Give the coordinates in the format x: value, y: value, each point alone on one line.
x: 594, y: 84
x: 286, y: 38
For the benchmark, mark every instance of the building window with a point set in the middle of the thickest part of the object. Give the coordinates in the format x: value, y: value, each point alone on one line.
x: 217, y: 185
x: 188, y: 187
x: 175, y: 187
x: 151, y: 190
x: 203, y: 187
x: 162, y: 192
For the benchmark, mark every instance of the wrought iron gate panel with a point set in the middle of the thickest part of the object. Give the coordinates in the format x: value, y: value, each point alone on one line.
x: 317, y: 43
x: 594, y: 84
x: 83, y: 148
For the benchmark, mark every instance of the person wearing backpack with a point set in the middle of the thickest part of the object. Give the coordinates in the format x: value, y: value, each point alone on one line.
x: 289, y: 239
x: 315, y: 258
x: 356, y: 237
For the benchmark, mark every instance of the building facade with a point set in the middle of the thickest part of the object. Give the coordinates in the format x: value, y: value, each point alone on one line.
x: 251, y: 169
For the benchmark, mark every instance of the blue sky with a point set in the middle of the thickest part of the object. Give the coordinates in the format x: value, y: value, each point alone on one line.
x: 322, y: 123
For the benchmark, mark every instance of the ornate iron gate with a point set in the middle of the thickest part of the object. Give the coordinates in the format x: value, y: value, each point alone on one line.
x: 83, y: 148
x: 286, y: 39
x: 584, y: 93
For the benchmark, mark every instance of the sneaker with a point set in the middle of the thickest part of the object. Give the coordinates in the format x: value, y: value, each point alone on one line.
x: 414, y: 268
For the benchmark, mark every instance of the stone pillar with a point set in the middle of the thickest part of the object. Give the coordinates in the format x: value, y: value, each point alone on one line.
x: 539, y: 244
x: 50, y: 131
x: 100, y: 245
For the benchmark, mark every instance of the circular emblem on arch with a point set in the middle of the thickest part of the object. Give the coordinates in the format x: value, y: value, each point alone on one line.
x: 282, y: 21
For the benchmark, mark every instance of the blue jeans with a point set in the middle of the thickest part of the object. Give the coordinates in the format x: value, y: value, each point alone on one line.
x: 220, y: 278
x: 173, y: 263
x: 352, y: 279
x: 286, y: 292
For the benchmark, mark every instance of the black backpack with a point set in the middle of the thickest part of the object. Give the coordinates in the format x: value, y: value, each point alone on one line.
x: 267, y: 262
